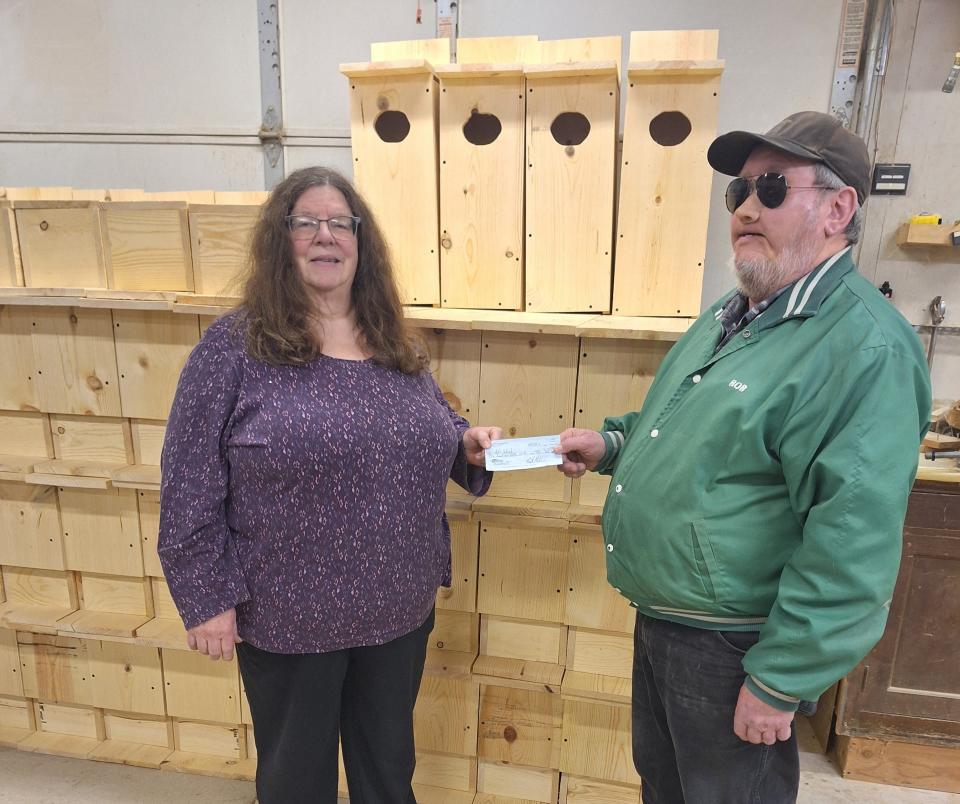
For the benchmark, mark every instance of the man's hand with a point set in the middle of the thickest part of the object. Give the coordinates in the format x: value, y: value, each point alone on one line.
x: 216, y: 637
x: 758, y: 722
x: 581, y: 450
x: 476, y: 440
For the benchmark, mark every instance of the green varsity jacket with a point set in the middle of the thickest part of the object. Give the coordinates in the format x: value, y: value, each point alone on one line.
x: 765, y: 486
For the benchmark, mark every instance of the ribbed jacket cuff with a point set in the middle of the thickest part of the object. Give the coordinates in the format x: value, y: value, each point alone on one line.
x: 785, y: 703
x: 612, y: 441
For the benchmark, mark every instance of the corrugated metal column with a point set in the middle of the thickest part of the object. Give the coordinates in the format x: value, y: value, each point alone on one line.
x: 271, y: 98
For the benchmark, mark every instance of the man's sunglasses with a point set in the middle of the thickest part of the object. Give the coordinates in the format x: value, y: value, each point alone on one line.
x: 771, y: 190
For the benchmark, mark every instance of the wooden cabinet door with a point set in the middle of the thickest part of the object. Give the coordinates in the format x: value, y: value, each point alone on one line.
x: 909, y: 685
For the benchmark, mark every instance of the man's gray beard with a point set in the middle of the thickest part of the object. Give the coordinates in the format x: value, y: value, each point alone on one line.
x: 760, y: 277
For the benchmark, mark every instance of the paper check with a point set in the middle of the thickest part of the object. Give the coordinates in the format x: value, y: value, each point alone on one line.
x: 506, y: 454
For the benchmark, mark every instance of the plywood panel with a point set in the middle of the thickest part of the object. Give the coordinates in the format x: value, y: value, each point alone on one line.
x: 76, y: 721
x: 587, y: 49
x: 56, y: 668
x: 211, y: 740
x: 124, y: 728
x: 148, y: 503
x: 25, y: 434
x: 481, y: 193
x: 600, y: 652
x: 117, y: 593
x: 522, y: 727
x: 148, y: 246
x: 30, y: 531
x: 613, y: 379
x: 445, y: 771
x: 18, y: 369
x: 148, y: 440
x: 11, y: 682
x: 591, y: 601
x: 126, y: 677
x: 36, y: 193
x: 16, y: 714
x: 162, y: 601
x: 436, y: 51
x: 522, y: 639
x: 11, y: 268
x: 36, y: 598
x: 445, y: 717
x: 220, y: 238
x: 455, y: 364
x: 497, y: 49
x: 62, y: 247
x: 152, y: 348
x: 523, y: 572
x: 97, y: 440
x: 190, y: 196
x: 462, y: 593
x: 570, y: 195
x: 399, y: 179
x: 596, y: 742
x: 76, y: 365
x: 574, y: 790
x: 41, y: 588
x: 455, y: 630
x: 198, y: 687
x: 515, y: 783
x: 101, y: 530
x: 527, y: 386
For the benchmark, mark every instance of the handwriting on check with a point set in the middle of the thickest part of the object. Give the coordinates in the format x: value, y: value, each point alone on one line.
x: 506, y: 454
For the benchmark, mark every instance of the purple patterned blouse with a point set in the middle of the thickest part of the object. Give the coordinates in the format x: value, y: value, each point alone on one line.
x: 311, y: 497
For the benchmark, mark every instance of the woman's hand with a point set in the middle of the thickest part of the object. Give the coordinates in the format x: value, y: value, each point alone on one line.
x: 216, y: 637
x: 581, y: 450
x: 478, y: 439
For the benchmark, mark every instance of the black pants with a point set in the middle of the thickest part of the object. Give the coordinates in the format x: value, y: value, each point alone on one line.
x: 685, y: 687
x: 302, y: 703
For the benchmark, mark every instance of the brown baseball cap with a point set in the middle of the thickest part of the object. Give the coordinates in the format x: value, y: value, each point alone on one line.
x: 815, y: 136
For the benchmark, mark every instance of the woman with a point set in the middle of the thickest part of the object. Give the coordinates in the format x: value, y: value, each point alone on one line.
x: 302, y: 507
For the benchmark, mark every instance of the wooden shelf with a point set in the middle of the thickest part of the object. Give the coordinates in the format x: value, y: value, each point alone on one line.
x: 925, y: 234
x: 587, y: 325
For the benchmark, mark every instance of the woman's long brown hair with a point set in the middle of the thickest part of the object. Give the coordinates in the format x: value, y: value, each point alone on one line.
x: 275, y: 311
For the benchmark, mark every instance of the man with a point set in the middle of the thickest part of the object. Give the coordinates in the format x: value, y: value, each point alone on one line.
x: 754, y: 515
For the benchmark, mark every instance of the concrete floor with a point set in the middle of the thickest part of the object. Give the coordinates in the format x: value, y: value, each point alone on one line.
x: 27, y: 778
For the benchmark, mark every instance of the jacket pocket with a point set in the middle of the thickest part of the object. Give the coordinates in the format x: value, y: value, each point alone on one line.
x: 705, y: 559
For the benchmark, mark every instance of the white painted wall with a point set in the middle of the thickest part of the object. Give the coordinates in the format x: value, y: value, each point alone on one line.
x: 920, y: 124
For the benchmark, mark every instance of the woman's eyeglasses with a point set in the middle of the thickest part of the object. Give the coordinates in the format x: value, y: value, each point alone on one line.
x: 771, y: 190
x: 303, y: 227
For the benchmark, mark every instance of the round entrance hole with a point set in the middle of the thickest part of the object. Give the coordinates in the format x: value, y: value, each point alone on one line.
x: 482, y: 129
x: 570, y: 128
x: 392, y: 126
x: 670, y: 128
